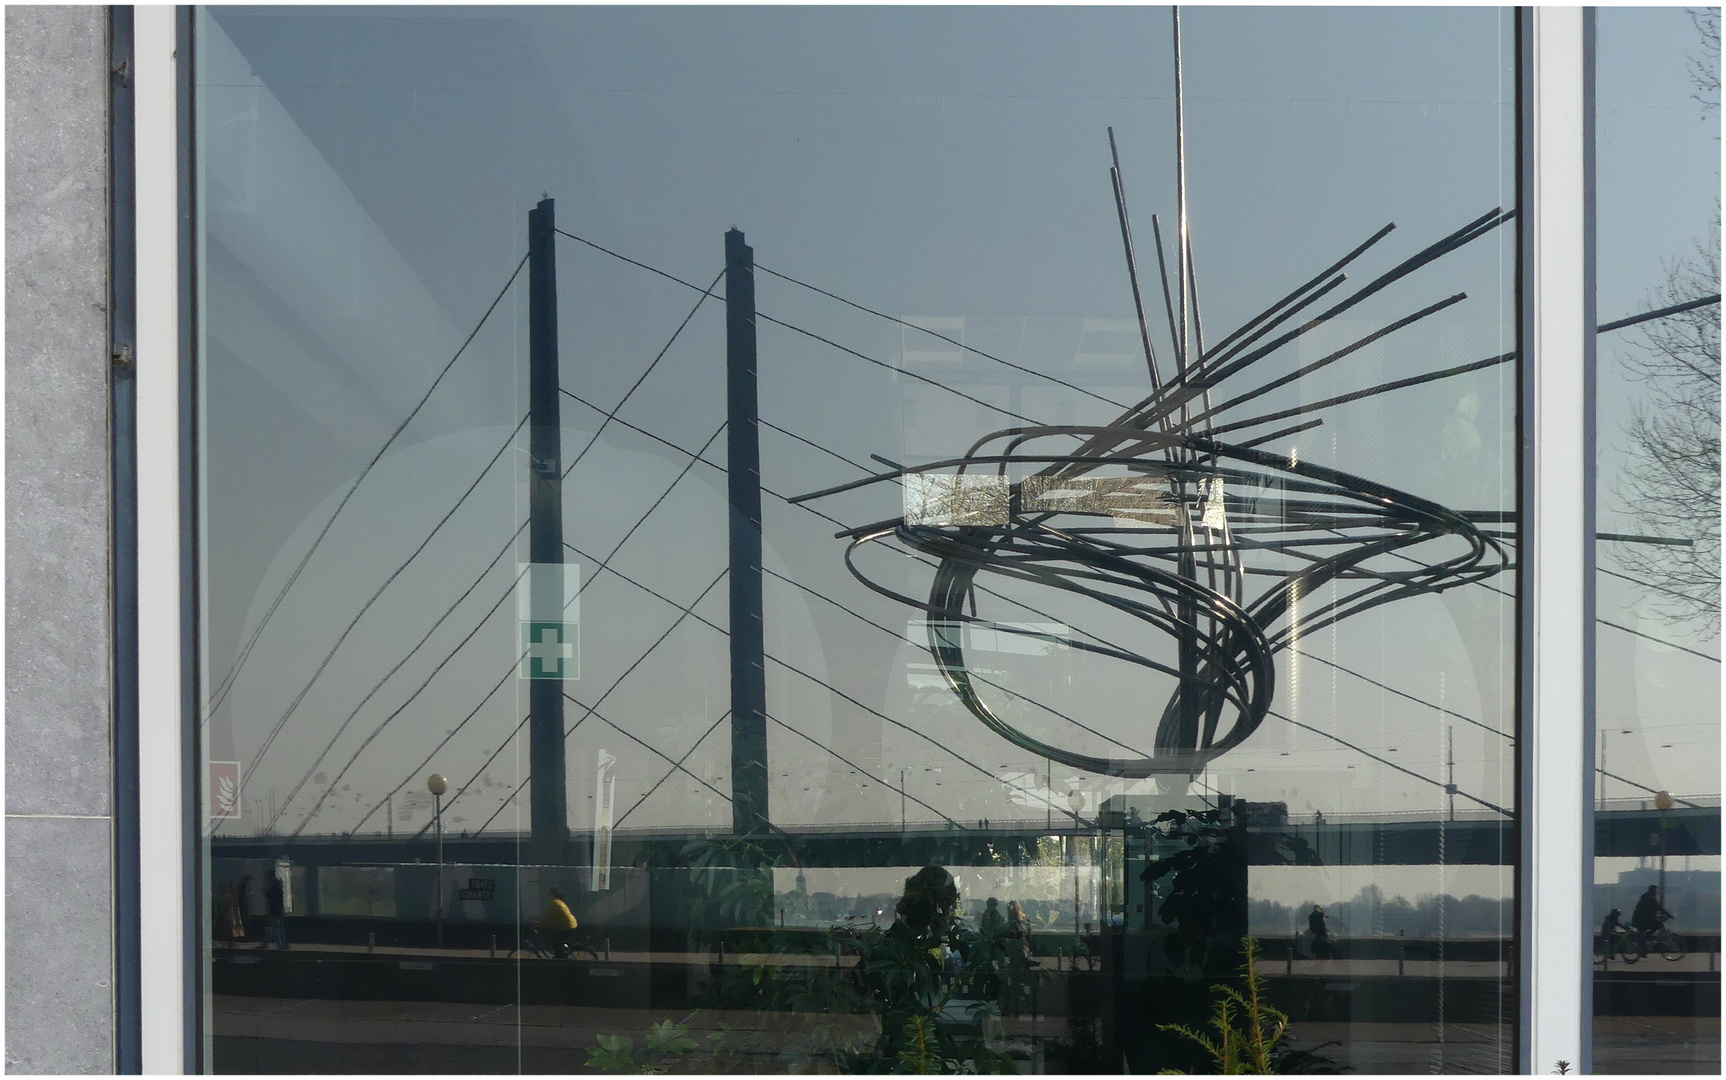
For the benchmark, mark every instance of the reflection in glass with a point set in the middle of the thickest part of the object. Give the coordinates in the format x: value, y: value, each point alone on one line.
x: 1657, y: 810
x: 1050, y: 557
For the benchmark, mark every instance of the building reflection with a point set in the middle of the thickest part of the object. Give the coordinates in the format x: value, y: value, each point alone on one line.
x: 1130, y: 914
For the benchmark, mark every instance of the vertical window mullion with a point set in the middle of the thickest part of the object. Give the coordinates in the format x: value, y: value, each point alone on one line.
x: 1557, y: 578
x: 162, y: 810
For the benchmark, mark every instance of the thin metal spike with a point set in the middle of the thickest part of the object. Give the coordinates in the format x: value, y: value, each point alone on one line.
x: 1313, y: 283
x: 1275, y: 435
x: 1193, y: 291
x: 1180, y: 187
x: 1301, y: 372
x: 1275, y: 321
x: 1181, y: 390
x: 1168, y: 301
x: 1416, y: 380
x: 1195, y: 347
x: 1152, y: 403
x: 1132, y: 264
x: 1467, y: 234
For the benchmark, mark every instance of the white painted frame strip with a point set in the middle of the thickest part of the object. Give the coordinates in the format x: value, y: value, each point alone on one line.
x: 1557, y: 563
x: 162, y: 807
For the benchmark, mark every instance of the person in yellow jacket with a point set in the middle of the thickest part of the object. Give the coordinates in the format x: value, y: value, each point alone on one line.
x: 559, y: 925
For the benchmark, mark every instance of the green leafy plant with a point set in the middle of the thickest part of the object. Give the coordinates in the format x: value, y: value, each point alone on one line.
x: 614, y: 1053
x: 930, y: 981
x: 668, y: 1037
x: 666, y: 1042
x: 1247, y: 1028
x: 734, y: 881
x: 919, y: 1055
x: 1205, y: 892
x: 723, y: 1048
x: 1561, y: 1067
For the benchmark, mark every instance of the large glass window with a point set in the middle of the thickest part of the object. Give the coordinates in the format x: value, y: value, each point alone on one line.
x: 856, y: 539
x: 1657, y: 784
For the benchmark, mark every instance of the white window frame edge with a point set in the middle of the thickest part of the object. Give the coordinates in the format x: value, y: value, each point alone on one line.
x: 1557, y: 582
x: 1556, y: 574
x: 164, y: 958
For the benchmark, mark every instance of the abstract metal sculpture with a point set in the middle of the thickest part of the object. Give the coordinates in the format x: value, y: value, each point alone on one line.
x: 1200, y: 513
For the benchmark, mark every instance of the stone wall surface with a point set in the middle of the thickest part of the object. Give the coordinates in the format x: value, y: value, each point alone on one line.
x: 59, y: 830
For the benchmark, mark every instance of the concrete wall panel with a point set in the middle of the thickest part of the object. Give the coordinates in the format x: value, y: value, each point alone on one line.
x: 59, y: 975
x: 59, y: 866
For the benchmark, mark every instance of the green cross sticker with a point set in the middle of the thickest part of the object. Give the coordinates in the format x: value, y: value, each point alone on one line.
x: 550, y: 650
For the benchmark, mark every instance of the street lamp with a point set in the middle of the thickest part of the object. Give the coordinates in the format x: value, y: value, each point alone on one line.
x: 437, y: 784
x: 1075, y: 803
x: 1600, y: 794
x: 1662, y: 803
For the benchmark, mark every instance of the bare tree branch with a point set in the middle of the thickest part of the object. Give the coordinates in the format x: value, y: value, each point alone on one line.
x: 1671, y: 481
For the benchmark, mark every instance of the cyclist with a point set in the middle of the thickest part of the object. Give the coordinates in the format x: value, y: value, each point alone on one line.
x: 1611, y: 930
x: 557, y: 928
x: 1649, y: 916
x: 1611, y: 927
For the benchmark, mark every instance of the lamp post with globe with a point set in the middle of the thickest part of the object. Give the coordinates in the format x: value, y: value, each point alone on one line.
x: 437, y: 784
x: 1075, y: 803
x: 1663, y: 803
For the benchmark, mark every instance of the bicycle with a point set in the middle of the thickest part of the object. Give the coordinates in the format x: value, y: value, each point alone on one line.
x: 1620, y: 946
x: 544, y: 944
x: 1663, y: 941
x: 1630, y: 947
x: 532, y: 945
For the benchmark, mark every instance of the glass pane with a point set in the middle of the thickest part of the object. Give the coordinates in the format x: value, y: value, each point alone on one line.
x: 1657, y: 809
x: 1057, y: 546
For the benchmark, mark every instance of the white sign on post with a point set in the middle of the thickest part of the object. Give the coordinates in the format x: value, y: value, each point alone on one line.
x: 548, y: 611
x: 604, y: 791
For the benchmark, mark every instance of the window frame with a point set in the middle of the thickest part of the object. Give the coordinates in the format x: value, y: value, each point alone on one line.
x: 166, y: 789
x: 1555, y: 580
x: 1555, y: 754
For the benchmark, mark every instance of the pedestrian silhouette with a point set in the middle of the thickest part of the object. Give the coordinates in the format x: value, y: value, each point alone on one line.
x: 243, y: 894
x: 1320, y: 933
x: 992, y: 924
x: 926, y: 909
x: 231, y: 912
x: 276, y: 931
